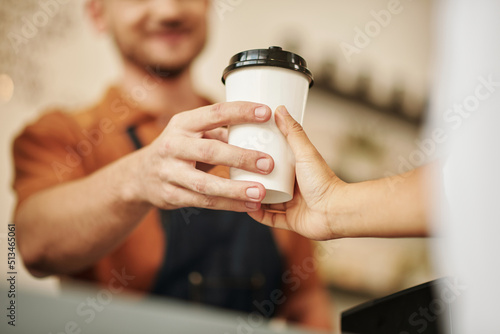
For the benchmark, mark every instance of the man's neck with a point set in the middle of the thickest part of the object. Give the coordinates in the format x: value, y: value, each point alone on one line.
x: 159, y: 94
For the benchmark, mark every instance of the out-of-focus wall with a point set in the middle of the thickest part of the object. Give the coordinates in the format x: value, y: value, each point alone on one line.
x: 61, y: 61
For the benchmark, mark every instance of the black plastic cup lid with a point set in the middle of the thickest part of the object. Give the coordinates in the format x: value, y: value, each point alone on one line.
x: 274, y: 56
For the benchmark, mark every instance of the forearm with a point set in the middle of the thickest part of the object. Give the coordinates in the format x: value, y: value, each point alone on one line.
x: 67, y: 228
x: 390, y: 207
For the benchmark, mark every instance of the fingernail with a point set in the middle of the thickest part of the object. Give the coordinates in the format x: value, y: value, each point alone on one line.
x: 263, y: 164
x: 283, y: 110
x: 252, y: 205
x: 253, y: 192
x: 261, y: 112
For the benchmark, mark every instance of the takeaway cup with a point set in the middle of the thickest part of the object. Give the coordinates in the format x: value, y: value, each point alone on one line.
x: 272, y: 77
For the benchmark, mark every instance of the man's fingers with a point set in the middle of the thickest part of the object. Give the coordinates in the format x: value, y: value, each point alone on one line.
x: 215, y: 152
x: 277, y: 220
x: 257, y: 215
x: 228, y: 113
x: 216, y: 186
x: 295, y: 134
x: 279, y: 207
x: 218, y: 134
x: 188, y: 198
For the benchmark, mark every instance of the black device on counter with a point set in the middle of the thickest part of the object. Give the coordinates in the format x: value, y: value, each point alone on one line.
x: 422, y: 309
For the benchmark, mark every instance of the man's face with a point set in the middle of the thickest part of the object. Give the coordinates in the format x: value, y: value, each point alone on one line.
x: 165, y: 35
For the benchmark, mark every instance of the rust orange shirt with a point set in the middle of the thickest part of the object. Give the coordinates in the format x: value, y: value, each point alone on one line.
x: 62, y: 146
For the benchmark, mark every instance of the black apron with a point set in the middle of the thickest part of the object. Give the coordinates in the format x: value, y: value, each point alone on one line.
x: 219, y: 258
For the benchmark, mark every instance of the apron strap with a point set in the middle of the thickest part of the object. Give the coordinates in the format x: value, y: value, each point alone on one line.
x: 132, y: 134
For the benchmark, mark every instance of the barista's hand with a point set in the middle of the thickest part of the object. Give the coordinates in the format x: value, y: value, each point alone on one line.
x: 167, y: 174
x: 317, y: 187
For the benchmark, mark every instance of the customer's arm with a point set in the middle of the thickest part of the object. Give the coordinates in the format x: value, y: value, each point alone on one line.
x: 67, y: 227
x: 324, y: 207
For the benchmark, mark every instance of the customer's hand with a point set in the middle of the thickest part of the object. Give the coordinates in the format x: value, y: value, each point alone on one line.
x: 167, y: 176
x: 310, y: 211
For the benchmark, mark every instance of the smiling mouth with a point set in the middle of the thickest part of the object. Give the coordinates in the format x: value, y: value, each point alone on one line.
x: 170, y: 36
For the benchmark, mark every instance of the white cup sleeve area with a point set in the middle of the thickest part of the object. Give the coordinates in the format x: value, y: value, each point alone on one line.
x: 272, y: 86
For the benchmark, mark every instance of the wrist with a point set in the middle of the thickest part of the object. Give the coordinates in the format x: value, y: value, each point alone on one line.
x: 130, y: 188
x: 340, y: 210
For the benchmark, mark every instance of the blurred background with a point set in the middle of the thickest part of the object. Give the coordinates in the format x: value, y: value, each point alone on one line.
x: 364, y: 113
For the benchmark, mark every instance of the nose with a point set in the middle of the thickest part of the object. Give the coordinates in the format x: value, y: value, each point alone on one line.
x: 168, y: 10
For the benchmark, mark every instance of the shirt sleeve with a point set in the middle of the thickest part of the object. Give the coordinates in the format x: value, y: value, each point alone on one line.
x: 46, y: 154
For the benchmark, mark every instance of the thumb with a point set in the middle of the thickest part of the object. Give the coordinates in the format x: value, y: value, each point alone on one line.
x: 301, y: 146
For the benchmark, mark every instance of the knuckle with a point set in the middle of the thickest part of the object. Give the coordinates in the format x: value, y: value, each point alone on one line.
x: 209, y: 202
x: 163, y: 151
x: 207, y: 152
x: 221, y: 187
x: 200, y: 186
x: 242, y: 159
x: 216, y: 107
x: 173, y: 197
x: 168, y: 196
x: 164, y: 174
x: 167, y: 148
x: 296, y: 127
x: 170, y: 146
x: 217, y: 112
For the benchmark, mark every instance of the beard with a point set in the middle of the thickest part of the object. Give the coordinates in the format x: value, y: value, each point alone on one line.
x: 162, y: 69
x: 166, y: 72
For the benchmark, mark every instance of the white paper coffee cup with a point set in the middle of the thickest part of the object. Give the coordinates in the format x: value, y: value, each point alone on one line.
x: 272, y: 77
